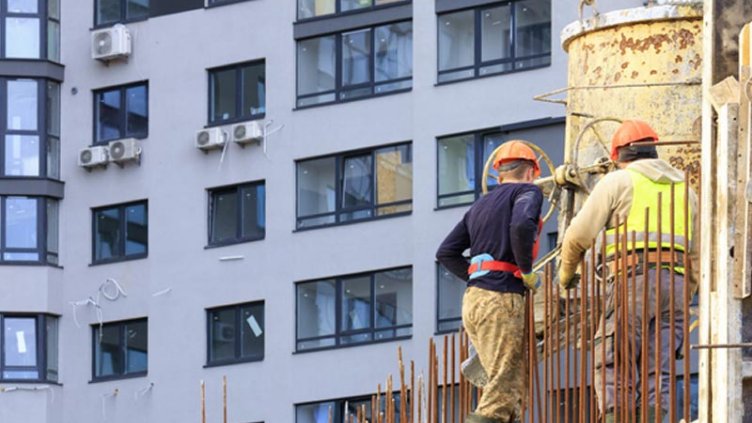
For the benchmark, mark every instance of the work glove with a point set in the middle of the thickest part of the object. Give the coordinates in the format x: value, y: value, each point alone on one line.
x: 531, y: 281
x: 567, y: 278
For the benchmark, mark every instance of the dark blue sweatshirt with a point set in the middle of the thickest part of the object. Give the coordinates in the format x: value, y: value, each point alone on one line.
x: 504, y: 224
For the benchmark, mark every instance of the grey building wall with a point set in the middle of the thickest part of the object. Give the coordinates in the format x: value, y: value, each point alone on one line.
x: 173, y: 52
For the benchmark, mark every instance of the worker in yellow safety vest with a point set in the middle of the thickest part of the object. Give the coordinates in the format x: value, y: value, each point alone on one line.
x: 623, y: 196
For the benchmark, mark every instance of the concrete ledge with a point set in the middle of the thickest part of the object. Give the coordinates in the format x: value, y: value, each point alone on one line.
x: 334, y: 24
x: 32, y: 69
x: 32, y: 187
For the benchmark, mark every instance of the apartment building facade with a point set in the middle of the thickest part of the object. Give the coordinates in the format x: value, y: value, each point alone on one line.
x: 148, y: 244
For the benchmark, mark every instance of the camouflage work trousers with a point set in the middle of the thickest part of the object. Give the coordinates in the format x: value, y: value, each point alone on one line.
x: 606, y: 367
x: 495, y: 323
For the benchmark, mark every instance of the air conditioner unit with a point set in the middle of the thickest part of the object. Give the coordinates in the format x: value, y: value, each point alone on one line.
x: 93, y: 156
x: 248, y: 133
x: 125, y: 150
x: 111, y: 43
x: 210, y: 139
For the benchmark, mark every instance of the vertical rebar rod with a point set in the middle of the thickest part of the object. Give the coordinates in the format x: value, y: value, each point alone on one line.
x: 658, y: 314
x: 403, y: 393
x: 453, y: 367
x: 603, y: 331
x: 625, y: 370
x: 687, y: 300
x: 633, y: 333
x: 462, y: 378
x: 530, y: 364
x: 429, y: 390
x: 567, y: 345
x: 583, y: 344
x: 444, y: 393
x: 534, y: 347
x: 224, y: 399
x: 644, y: 335
x: 436, y: 416
x: 203, y: 402
x: 374, y: 410
x: 575, y: 397
x: 557, y: 352
x: 546, y: 339
x: 593, y: 296
x: 617, y: 324
x: 420, y: 399
x: 672, y: 315
x: 378, y: 417
x: 412, y: 392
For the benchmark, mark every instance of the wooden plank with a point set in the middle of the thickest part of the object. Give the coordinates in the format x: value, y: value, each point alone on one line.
x: 727, y: 363
x: 743, y: 237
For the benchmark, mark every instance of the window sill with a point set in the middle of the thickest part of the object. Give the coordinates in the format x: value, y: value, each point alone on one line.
x: 232, y: 362
x: 229, y: 243
x: 455, y: 81
x: 30, y: 382
x: 213, y: 4
x: 350, y: 12
x: 119, y: 377
x: 118, y: 260
x: 240, y: 120
x: 365, y: 97
x: 107, y: 142
x: 30, y: 264
x: 362, y: 344
x: 453, y: 206
x: 353, y: 222
x: 123, y: 22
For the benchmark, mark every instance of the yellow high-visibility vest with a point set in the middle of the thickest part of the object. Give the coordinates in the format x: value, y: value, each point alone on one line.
x: 645, y: 196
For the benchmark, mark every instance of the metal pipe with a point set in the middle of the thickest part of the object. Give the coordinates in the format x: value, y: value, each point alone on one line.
x: 658, y: 314
x: 720, y: 346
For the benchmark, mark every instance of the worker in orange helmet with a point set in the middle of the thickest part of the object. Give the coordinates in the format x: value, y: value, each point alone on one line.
x: 501, y: 230
x: 625, y: 194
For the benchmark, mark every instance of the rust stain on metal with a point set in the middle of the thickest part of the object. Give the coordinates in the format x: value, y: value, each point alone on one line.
x: 654, y: 72
x: 617, y: 77
x: 678, y: 59
x: 635, y: 74
x: 643, y: 44
x: 624, y: 65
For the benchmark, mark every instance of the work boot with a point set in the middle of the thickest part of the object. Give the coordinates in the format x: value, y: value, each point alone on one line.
x: 477, y: 418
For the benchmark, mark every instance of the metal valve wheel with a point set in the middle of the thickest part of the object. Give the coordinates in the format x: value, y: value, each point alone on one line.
x: 553, y: 194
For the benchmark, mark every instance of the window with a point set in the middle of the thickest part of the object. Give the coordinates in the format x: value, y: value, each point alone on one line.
x: 344, y: 410
x: 355, y: 186
x: 315, y: 8
x: 237, y: 214
x: 120, y: 349
x: 121, y: 112
x: 29, y: 346
x: 355, y: 64
x: 23, y: 222
x: 354, y: 309
x: 120, y: 232
x: 236, y: 333
x: 449, y: 301
x: 25, y: 34
x: 108, y: 12
x: 509, y: 36
x: 461, y: 157
x: 30, y: 132
x: 237, y: 93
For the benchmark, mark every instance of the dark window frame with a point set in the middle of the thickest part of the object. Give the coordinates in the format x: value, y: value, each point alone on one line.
x: 238, y: 68
x: 339, y: 12
x: 478, y: 63
x: 42, y: 132
x: 42, y: 15
x: 122, y: 225
x: 122, y: 120
x: 122, y: 325
x: 339, y: 88
x: 439, y: 320
x: 479, y: 136
x: 217, y: 3
x: 238, y: 214
x: 42, y: 249
x: 339, y: 412
x: 123, y: 15
x: 339, y: 159
x: 338, y: 331
x: 40, y: 321
x: 237, y: 308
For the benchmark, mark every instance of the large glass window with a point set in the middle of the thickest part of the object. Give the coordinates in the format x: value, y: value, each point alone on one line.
x: 30, y: 29
x: 121, y: 112
x: 236, y: 333
x: 22, y: 223
x: 120, y: 232
x: 28, y: 347
x: 489, y: 40
x: 314, y: 8
x: 237, y: 93
x: 237, y: 213
x: 345, y: 410
x: 355, y: 64
x: 354, y: 309
x: 450, y: 292
x: 355, y: 186
x: 120, y: 349
x: 109, y: 12
x: 461, y: 157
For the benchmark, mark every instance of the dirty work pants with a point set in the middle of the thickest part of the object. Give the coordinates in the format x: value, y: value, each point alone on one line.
x: 495, y: 323
x: 605, y: 366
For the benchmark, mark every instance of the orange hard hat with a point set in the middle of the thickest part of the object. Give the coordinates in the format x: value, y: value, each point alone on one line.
x: 631, y: 131
x: 516, y: 150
